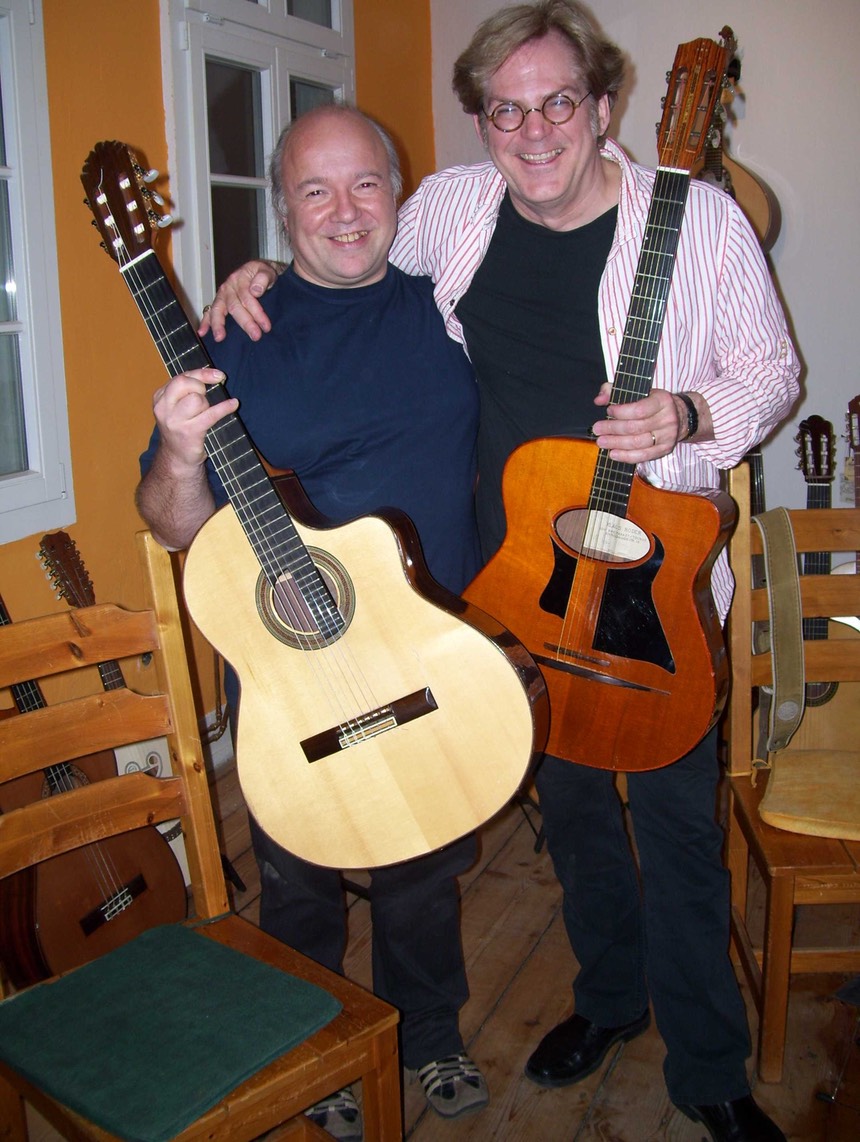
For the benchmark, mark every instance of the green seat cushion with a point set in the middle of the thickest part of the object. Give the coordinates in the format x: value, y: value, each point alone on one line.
x: 145, y: 1039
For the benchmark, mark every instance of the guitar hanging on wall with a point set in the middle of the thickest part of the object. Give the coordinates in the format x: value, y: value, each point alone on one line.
x: 605, y: 578
x: 749, y: 190
x: 371, y: 697
x: 70, y: 909
x: 815, y: 443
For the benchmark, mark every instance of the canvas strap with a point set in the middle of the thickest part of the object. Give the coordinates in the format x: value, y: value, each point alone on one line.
x: 781, y: 706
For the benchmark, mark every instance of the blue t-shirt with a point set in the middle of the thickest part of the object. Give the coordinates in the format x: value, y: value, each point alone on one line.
x: 362, y: 393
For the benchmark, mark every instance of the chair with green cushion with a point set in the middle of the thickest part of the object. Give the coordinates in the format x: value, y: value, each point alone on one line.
x: 205, y: 1029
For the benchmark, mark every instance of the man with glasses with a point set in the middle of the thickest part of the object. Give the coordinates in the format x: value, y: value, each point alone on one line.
x: 533, y: 255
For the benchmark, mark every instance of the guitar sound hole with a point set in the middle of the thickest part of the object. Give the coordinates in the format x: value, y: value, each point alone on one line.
x: 287, y: 615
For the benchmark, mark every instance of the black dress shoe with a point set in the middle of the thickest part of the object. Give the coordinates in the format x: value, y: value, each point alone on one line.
x: 576, y: 1048
x: 739, y: 1121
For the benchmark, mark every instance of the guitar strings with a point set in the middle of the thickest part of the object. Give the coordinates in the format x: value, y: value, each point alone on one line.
x: 601, y: 541
x: 341, y: 681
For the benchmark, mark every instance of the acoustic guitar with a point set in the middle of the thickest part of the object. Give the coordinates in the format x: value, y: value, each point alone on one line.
x: 72, y: 908
x: 815, y: 448
x: 749, y: 190
x: 605, y: 578
x: 381, y: 716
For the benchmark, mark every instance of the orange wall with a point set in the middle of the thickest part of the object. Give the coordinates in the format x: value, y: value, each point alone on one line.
x: 104, y: 82
x: 393, y: 79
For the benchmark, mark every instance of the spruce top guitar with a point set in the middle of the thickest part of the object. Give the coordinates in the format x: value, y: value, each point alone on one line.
x: 815, y: 443
x: 72, y: 908
x: 749, y: 190
x: 606, y: 579
x: 381, y: 716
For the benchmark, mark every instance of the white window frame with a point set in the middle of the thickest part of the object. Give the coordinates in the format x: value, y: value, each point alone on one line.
x: 40, y: 498
x: 260, y: 36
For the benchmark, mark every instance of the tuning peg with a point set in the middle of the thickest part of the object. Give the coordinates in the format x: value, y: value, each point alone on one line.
x: 165, y: 221
x: 150, y: 175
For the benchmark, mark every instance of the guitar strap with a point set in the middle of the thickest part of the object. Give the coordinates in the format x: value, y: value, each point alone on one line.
x: 781, y: 705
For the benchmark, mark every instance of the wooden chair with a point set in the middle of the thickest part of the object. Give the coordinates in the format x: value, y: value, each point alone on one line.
x: 796, y: 868
x: 359, y: 1043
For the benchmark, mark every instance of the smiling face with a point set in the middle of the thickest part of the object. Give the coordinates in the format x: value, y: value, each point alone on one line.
x: 341, y: 212
x: 555, y: 174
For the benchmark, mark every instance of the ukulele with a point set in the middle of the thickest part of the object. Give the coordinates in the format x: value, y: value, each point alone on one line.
x: 382, y: 717
x: 72, y: 908
x: 613, y: 598
x: 749, y: 190
x: 815, y: 443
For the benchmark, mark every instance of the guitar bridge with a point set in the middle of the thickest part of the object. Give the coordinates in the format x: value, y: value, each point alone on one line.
x: 369, y: 725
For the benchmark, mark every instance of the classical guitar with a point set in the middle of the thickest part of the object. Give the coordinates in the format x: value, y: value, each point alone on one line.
x: 605, y: 578
x: 72, y: 908
x: 382, y: 717
x: 815, y: 447
x: 749, y: 190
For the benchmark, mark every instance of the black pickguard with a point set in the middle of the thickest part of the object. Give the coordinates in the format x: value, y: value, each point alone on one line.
x: 628, y: 625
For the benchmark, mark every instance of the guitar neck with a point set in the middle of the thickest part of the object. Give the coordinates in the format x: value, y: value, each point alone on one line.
x: 818, y: 495
x: 266, y: 523
x: 26, y: 695
x: 638, y: 355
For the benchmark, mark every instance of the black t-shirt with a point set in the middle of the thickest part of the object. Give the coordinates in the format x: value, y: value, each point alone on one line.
x: 531, y: 326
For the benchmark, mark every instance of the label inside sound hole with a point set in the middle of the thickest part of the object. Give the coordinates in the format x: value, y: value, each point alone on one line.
x: 602, y: 535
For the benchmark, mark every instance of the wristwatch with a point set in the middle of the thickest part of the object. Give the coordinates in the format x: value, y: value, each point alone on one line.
x: 692, y: 415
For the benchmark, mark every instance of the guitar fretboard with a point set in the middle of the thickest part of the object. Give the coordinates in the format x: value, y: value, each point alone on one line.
x: 266, y: 523
x: 634, y: 374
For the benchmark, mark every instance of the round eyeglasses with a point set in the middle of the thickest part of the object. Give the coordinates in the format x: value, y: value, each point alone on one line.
x: 556, y: 109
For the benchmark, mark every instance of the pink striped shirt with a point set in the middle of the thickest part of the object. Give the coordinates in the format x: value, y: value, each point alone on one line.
x: 724, y: 333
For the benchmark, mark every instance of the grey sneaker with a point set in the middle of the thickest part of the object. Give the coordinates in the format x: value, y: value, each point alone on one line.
x: 339, y: 1115
x: 454, y: 1086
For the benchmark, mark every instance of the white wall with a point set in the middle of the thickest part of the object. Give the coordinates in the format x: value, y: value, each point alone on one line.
x: 795, y: 127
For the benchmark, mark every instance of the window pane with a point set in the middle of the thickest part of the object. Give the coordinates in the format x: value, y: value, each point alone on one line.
x: 238, y: 227
x: 304, y: 95
x: 234, y: 118
x: 8, y: 309
x: 13, y: 441
x: 316, y: 11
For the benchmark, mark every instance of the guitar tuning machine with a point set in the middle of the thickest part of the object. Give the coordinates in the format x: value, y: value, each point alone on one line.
x: 161, y: 221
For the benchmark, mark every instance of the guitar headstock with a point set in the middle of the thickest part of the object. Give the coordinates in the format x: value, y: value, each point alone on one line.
x: 815, y: 447
x: 853, y: 425
x: 65, y: 568
x: 695, y: 84
x: 122, y: 203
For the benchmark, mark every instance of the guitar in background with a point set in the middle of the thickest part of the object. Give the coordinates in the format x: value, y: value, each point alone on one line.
x: 69, y: 909
x: 750, y: 191
x: 67, y: 574
x: 605, y: 578
x: 816, y: 450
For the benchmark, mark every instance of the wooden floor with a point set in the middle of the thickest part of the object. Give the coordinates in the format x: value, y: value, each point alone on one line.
x: 520, y: 967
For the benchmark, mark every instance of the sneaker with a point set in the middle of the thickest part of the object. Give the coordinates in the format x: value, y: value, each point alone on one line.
x: 454, y: 1086
x: 338, y: 1115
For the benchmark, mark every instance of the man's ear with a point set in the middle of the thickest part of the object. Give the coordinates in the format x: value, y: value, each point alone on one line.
x: 480, y: 124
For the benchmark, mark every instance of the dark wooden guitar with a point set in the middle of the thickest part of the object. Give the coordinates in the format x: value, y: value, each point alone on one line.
x: 73, y: 908
x: 605, y: 578
x: 382, y: 717
x: 816, y: 450
x: 749, y: 190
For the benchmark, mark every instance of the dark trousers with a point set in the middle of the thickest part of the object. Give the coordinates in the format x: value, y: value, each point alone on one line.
x: 417, y: 952
x: 668, y: 940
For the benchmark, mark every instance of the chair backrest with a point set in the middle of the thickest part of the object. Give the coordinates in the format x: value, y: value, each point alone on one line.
x: 833, y: 658
x: 32, y: 743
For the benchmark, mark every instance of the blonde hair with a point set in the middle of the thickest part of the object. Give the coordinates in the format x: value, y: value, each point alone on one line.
x: 599, y: 61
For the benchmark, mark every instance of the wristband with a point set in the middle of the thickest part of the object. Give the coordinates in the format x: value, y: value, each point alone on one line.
x: 692, y: 415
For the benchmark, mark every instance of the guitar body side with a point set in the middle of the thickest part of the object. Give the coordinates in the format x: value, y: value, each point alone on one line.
x: 611, y: 710
x: 405, y: 791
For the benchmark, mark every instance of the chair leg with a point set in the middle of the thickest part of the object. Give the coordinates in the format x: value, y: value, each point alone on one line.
x: 13, y: 1117
x: 776, y: 976
x: 380, y: 1092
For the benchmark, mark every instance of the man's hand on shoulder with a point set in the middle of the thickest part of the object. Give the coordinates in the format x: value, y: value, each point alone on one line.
x: 238, y: 296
